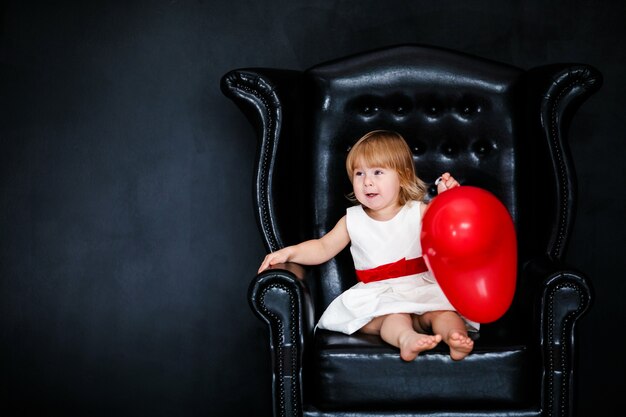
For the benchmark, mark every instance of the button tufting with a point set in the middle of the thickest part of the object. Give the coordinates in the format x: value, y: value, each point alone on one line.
x: 482, y: 148
x: 449, y: 149
x: 419, y: 149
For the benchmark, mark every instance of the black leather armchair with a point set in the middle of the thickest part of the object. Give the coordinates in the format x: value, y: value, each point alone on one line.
x: 493, y: 126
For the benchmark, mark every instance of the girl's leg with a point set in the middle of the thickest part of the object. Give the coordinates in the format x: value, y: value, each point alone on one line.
x: 397, y: 330
x: 452, y: 329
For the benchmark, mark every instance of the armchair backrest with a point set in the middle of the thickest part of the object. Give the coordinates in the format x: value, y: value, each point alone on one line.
x: 457, y: 113
x: 491, y: 125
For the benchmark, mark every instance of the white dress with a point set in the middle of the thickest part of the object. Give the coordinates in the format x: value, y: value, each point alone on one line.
x: 375, y: 243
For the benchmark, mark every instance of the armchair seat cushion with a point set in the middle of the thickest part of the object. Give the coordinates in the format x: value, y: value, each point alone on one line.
x: 361, y: 372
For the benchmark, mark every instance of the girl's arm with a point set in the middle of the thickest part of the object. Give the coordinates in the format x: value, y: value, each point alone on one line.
x: 312, y: 252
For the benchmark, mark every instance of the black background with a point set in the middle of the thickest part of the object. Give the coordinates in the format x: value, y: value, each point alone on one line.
x: 127, y: 235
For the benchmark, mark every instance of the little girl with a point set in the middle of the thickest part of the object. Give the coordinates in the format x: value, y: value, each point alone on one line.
x: 397, y: 297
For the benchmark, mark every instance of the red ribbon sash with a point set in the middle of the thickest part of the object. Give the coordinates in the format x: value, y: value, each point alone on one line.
x: 400, y: 268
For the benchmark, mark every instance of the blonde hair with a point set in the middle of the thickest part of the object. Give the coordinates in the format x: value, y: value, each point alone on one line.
x: 387, y: 149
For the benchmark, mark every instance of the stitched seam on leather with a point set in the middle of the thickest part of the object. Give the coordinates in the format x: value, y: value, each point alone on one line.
x: 264, y: 157
x: 564, y: 353
x: 279, y: 348
x: 563, y: 191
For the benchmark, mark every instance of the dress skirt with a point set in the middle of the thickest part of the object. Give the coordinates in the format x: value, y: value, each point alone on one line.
x: 357, y: 306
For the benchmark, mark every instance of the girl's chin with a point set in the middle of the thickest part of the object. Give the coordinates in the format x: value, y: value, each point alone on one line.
x: 371, y: 205
x: 368, y: 201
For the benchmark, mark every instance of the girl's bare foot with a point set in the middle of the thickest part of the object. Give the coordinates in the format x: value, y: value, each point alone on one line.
x: 460, y: 345
x: 413, y: 343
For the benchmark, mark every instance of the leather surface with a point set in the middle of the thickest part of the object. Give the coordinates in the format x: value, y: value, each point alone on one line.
x: 347, y: 367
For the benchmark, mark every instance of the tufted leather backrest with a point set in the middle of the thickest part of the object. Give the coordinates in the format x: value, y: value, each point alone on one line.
x: 456, y: 112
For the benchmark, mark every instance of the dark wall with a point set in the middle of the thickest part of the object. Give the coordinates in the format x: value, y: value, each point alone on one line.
x: 127, y: 236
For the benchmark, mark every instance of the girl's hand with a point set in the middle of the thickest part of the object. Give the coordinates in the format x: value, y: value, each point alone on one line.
x: 278, y: 257
x: 445, y: 182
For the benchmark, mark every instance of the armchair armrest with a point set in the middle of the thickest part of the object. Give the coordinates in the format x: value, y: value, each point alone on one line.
x: 563, y: 298
x: 280, y: 297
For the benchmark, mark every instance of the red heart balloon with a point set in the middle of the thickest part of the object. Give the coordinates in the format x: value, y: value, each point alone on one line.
x: 469, y: 243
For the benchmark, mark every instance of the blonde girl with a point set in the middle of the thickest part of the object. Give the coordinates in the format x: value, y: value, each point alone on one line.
x: 397, y: 297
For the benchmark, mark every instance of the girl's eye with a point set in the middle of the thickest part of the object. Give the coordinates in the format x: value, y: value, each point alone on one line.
x: 378, y: 172
x: 358, y: 173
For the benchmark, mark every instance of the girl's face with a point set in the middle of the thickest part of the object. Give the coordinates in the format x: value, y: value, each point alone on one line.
x: 377, y: 189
